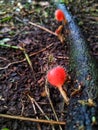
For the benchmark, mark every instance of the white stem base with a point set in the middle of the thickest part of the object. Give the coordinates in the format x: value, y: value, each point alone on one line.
x: 63, y: 93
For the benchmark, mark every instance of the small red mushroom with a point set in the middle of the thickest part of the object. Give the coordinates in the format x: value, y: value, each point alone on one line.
x: 59, y: 15
x: 56, y: 77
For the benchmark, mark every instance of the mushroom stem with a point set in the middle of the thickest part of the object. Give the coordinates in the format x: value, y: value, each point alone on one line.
x: 64, y: 21
x: 64, y: 94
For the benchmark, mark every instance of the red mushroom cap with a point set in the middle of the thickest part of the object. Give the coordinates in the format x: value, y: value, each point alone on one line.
x: 57, y: 76
x: 59, y: 15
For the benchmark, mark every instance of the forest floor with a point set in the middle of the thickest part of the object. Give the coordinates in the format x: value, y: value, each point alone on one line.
x: 23, y: 86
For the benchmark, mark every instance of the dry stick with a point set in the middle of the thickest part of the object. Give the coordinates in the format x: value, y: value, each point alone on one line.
x: 32, y: 119
x: 33, y: 101
x: 43, y: 28
x: 35, y: 112
x: 44, y: 49
x: 35, y: 53
x: 48, y: 95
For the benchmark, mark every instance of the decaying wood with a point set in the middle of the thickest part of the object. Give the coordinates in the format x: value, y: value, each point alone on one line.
x: 84, y: 72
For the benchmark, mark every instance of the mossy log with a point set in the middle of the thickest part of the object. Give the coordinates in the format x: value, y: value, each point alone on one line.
x: 84, y: 72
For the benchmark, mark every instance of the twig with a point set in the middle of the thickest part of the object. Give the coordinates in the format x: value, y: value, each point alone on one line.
x: 35, y: 53
x: 32, y: 119
x: 63, y: 57
x: 33, y: 101
x: 35, y: 112
x: 48, y: 95
x: 43, y: 28
x: 16, y: 62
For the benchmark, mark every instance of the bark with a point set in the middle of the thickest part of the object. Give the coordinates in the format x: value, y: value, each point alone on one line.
x: 84, y: 73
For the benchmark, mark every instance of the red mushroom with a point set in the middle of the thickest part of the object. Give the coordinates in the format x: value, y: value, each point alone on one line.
x: 59, y: 15
x: 56, y: 77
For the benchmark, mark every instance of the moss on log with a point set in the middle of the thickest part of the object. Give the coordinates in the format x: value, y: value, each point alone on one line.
x: 84, y: 72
